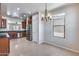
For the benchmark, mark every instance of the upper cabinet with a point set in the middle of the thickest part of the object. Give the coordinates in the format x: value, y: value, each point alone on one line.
x: 2, y: 20
x: 25, y: 21
x: 30, y: 20
x: 24, y: 24
x: 0, y: 9
x: 0, y: 15
x: 2, y: 23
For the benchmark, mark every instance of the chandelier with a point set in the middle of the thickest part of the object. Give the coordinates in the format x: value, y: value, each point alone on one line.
x: 46, y: 16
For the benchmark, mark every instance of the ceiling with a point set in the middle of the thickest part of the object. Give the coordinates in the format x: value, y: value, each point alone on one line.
x: 21, y: 9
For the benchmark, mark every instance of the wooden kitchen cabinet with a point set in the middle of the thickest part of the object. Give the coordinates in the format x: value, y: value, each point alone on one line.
x: 24, y: 24
x: 2, y: 20
x: 12, y: 35
x: 30, y: 20
x: 4, y: 46
x: 0, y: 8
x: 3, y: 23
x: 0, y: 15
x: 24, y: 34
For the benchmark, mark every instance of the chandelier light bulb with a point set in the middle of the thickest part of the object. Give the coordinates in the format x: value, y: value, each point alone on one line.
x: 42, y: 15
x: 46, y: 16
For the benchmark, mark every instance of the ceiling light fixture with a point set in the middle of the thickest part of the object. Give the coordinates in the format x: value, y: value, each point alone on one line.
x: 46, y: 16
x: 29, y: 12
x: 24, y: 15
x: 15, y: 14
x: 8, y: 13
x: 18, y: 8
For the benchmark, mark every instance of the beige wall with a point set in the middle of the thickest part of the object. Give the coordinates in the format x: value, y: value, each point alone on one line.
x: 71, y: 29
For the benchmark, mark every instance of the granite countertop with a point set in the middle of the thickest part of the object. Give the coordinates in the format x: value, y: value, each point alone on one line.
x: 13, y: 30
x: 4, y: 31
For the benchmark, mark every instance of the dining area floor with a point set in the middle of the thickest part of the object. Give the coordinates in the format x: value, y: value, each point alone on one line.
x: 23, y: 47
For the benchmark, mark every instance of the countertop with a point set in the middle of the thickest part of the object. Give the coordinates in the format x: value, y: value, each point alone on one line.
x: 6, y: 31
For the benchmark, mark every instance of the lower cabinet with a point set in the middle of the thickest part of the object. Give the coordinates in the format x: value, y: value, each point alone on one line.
x: 23, y: 34
x: 4, y: 46
x: 12, y: 35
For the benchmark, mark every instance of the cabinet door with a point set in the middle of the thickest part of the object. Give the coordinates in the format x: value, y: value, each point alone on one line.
x: 0, y: 16
x: 3, y: 23
x: 23, y: 34
x: 30, y: 21
x: 0, y: 22
x: 0, y: 8
x: 4, y: 46
x: 24, y: 24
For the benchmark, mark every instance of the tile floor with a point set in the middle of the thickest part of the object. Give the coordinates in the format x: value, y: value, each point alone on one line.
x: 23, y: 47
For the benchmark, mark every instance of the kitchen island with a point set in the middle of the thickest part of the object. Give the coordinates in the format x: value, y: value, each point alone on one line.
x: 4, y: 45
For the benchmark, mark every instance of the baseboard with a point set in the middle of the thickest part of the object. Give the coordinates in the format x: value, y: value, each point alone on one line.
x: 72, y: 50
x: 34, y: 42
x: 37, y: 42
x: 41, y: 42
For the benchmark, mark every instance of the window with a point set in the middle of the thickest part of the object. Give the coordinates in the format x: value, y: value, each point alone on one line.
x: 59, y: 25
